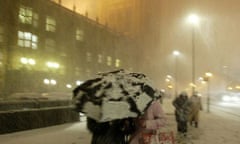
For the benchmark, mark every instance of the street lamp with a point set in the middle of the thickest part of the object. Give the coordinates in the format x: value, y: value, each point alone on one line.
x: 168, y: 80
x: 193, y: 19
x: 207, y: 77
x: 176, y: 54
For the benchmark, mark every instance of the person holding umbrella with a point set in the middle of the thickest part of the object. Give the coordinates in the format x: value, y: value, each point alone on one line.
x: 113, y: 100
x: 113, y: 132
x: 152, y: 120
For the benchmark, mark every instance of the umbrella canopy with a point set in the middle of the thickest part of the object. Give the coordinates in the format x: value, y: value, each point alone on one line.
x: 115, y: 95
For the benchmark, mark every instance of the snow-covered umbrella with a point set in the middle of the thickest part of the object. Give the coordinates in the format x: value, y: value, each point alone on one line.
x: 115, y: 95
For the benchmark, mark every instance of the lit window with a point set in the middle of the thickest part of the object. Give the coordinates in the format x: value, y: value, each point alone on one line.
x: 27, y: 39
x: 27, y: 61
x: 27, y: 35
x: 79, y: 35
x: 34, y: 41
x: 117, y: 63
x: 100, y: 58
x: 53, y: 65
x: 50, y: 45
x: 27, y: 16
x: 109, y: 61
x: 89, y: 56
x: 50, y: 24
x: 49, y: 81
x: 27, y: 43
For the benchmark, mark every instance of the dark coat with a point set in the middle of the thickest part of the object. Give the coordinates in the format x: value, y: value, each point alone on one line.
x: 182, y: 108
x: 114, y: 132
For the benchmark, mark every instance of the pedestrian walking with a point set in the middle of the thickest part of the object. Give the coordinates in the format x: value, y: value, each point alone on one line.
x: 181, y: 112
x: 196, y: 106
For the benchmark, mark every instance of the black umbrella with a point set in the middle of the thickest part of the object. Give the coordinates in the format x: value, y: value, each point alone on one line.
x: 115, y: 95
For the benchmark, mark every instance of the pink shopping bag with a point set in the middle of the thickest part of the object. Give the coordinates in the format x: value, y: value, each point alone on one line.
x: 166, y: 137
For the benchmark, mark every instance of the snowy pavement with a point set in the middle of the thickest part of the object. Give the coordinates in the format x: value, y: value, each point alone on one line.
x: 214, y: 127
x: 73, y: 133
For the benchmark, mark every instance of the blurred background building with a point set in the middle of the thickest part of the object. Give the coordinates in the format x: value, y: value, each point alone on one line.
x: 46, y: 47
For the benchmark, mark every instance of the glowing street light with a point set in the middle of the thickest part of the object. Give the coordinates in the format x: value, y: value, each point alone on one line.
x: 169, y: 76
x: 69, y: 86
x: 176, y: 54
x: 169, y: 86
x: 193, y: 19
x: 167, y: 80
x: 229, y: 88
x: 208, y: 74
x: 207, y: 77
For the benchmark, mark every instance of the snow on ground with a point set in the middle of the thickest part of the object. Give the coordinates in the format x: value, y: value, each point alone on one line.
x: 218, y: 129
x: 73, y: 133
x: 214, y: 128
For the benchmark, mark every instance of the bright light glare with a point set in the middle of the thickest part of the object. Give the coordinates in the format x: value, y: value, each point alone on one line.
x: 52, y: 64
x: 81, y: 114
x: 169, y: 76
x: 193, y: 19
x: 208, y: 74
x: 176, y: 53
x: 229, y: 88
x: 200, y: 79
x: 25, y: 60
x: 31, y: 61
x: 53, y: 82
x: 170, y: 86
x: 167, y: 80
x: 235, y: 99
x: 203, y: 82
x: 163, y: 90
x: 237, y: 87
x: 68, y: 86
x: 192, y: 85
x: 226, y: 98
x: 46, y: 81
x: 79, y: 82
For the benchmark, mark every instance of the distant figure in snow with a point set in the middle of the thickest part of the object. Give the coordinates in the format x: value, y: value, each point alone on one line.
x: 182, y: 110
x: 196, y: 106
